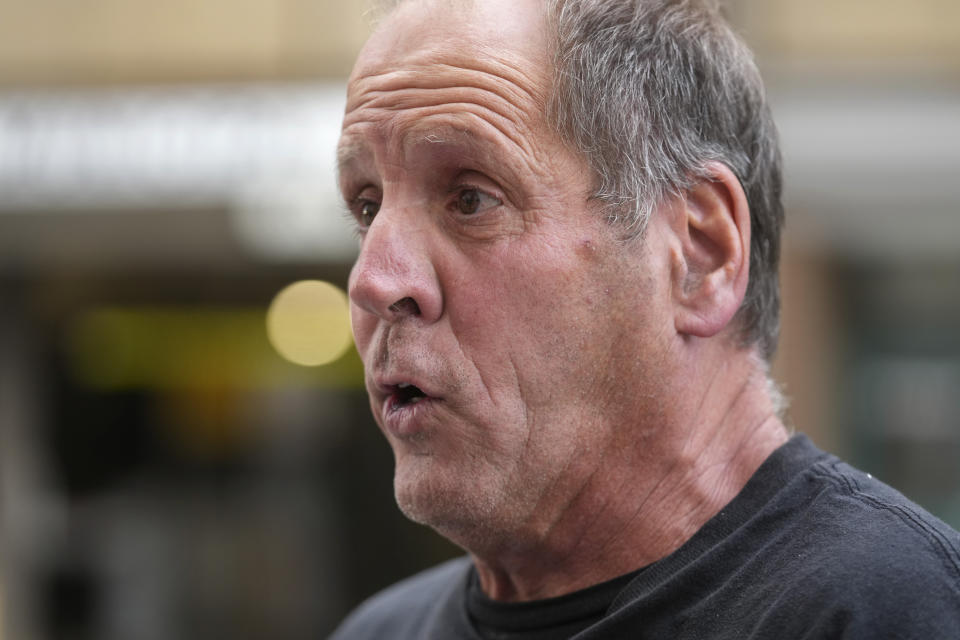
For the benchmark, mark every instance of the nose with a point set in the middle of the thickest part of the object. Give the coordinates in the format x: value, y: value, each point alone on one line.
x: 394, y: 276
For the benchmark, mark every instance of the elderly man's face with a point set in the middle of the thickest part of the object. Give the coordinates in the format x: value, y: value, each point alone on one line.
x: 507, y: 332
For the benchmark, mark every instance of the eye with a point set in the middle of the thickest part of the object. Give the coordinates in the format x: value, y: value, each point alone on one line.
x: 471, y: 201
x: 365, y: 211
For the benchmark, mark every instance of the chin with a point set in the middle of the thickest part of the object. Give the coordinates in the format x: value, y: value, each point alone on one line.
x: 458, y: 504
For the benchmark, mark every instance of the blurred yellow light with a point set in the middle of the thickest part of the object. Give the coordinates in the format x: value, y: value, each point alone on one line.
x: 308, y: 323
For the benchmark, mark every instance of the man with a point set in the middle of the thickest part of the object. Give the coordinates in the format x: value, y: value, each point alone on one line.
x: 565, y: 300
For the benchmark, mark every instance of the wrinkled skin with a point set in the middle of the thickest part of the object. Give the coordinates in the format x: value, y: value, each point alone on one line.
x: 534, y: 332
x: 564, y: 404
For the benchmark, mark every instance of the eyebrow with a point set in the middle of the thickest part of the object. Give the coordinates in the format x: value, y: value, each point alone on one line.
x: 349, y: 154
x: 353, y: 152
x: 470, y: 145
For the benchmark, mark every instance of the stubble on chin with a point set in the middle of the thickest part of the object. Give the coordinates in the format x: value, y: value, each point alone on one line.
x: 479, y: 507
x: 438, y: 495
x: 462, y: 504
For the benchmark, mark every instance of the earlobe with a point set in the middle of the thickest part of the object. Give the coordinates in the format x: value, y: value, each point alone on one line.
x: 713, y: 228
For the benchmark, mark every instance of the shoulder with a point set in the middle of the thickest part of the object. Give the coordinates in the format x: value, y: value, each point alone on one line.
x: 408, y: 608
x: 810, y: 548
x: 813, y: 497
x: 865, y: 516
x: 869, y: 558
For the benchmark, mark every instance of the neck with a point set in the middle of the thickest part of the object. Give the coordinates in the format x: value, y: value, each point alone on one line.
x: 644, y: 496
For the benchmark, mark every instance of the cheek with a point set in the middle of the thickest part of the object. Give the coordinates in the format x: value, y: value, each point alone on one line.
x: 527, y: 321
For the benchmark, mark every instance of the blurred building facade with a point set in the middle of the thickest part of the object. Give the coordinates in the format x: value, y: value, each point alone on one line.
x: 166, y: 169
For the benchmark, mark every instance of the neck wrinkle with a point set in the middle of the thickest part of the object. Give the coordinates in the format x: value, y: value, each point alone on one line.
x: 716, y: 443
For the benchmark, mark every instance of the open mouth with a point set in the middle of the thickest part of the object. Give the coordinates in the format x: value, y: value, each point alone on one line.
x: 405, y: 395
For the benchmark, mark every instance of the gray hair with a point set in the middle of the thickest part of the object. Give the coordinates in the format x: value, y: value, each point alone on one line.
x: 650, y: 91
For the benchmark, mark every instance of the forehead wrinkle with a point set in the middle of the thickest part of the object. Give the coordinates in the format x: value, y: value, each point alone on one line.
x: 511, y: 126
x: 505, y: 80
x: 476, y: 119
x: 465, y: 97
x: 466, y: 132
x: 444, y: 135
x: 500, y: 85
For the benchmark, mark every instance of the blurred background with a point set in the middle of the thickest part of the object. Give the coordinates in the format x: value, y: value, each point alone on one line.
x: 167, y: 470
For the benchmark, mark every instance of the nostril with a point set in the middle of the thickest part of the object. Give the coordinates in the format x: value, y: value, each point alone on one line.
x: 406, y: 306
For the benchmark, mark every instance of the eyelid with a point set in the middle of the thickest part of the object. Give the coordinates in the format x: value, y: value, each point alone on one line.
x: 466, y: 184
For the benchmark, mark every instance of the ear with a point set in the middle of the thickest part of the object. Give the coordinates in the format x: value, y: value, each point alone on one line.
x: 712, y: 267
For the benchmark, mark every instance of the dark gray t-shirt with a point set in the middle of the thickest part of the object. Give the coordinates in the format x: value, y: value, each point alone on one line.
x: 810, y: 548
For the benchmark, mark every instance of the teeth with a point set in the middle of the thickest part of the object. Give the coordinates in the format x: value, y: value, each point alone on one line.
x: 415, y: 400
x: 403, y: 385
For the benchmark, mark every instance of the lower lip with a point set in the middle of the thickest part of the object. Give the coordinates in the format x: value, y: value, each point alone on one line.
x: 406, y: 420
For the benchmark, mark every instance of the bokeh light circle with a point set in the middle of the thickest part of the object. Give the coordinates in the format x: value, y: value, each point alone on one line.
x: 308, y: 323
